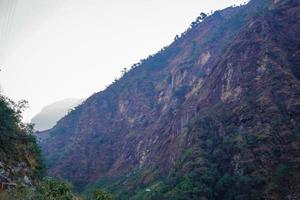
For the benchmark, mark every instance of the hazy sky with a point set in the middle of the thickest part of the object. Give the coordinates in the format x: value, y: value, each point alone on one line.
x: 56, y: 49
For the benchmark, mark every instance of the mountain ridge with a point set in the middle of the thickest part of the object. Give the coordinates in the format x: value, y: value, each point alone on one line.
x: 51, y: 113
x: 177, y: 111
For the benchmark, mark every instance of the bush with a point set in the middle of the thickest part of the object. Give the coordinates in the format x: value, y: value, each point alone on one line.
x: 47, y: 189
x: 101, y: 195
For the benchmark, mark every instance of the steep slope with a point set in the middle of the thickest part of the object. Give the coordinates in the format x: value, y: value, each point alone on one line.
x: 213, y: 115
x: 50, y: 114
x: 20, y: 157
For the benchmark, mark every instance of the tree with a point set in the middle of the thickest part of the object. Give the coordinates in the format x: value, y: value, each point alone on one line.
x: 124, y: 71
x: 53, y: 189
x: 102, y: 195
x: 203, y: 15
x: 47, y: 189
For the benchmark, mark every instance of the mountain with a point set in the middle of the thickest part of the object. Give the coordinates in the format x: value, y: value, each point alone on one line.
x: 22, y: 169
x: 20, y: 156
x: 215, y: 115
x: 50, y: 114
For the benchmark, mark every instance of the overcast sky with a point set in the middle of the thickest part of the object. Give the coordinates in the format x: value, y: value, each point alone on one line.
x: 56, y: 49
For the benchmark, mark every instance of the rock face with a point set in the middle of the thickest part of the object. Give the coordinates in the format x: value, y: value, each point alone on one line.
x: 215, y: 115
x: 49, y: 115
x: 20, y: 157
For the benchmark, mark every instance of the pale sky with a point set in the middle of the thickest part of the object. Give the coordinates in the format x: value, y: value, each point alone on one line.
x: 56, y: 49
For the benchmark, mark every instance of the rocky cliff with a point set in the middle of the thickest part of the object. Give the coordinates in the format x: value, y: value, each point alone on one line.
x: 215, y: 115
x: 20, y: 157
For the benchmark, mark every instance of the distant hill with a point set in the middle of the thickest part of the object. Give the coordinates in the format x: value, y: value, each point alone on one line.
x: 50, y: 114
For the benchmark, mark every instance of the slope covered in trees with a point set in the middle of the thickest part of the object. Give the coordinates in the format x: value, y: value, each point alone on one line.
x: 215, y: 115
x: 22, y: 170
x: 20, y: 157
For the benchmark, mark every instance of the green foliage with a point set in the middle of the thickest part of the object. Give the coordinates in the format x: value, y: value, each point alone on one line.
x: 19, y: 193
x: 16, y: 140
x: 47, y: 189
x: 224, y: 172
x: 52, y: 189
x: 109, y: 184
x: 102, y: 195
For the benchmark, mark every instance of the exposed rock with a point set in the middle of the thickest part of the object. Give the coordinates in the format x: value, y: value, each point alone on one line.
x: 216, y: 112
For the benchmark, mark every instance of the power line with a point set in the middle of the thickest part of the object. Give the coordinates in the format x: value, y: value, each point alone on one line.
x: 11, y: 17
x: 4, y: 9
x: 10, y: 7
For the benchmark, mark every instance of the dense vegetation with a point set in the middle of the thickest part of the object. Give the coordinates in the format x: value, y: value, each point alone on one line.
x: 17, y: 144
x: 50, y: 189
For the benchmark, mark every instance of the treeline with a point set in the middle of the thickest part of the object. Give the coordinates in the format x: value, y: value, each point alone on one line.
x: 162, y: 51
x: 50, y: 189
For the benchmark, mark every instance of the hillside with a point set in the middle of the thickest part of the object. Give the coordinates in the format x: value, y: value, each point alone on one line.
x: 215, y: 115
x: 22, y: 169
x: 50, y: 114
x: 20, y: 157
